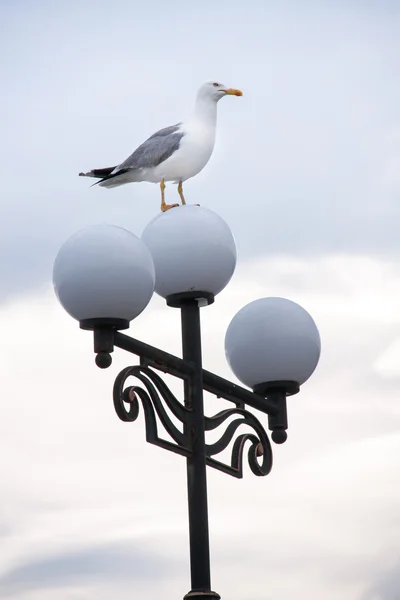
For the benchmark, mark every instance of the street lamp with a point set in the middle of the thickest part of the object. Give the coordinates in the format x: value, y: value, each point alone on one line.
x: 104, y: 277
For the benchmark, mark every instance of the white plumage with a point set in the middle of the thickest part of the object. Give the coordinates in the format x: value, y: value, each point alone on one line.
x: 175, y: 153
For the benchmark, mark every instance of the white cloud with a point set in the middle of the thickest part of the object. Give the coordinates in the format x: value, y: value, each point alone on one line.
x: 305, y: 173
x: 75, y: 479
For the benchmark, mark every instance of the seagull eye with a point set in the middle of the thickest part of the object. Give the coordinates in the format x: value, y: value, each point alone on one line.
x: 216, y: 84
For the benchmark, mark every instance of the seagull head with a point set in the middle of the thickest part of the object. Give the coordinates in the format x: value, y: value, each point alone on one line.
x: 212, y: 90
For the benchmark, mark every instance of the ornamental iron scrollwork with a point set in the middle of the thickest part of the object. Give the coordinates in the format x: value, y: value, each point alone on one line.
x: 150, y: 397
x: 259, y: 443
x: 154, y: 393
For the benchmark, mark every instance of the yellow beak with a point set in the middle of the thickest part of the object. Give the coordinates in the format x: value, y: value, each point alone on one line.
x: 233, y: 92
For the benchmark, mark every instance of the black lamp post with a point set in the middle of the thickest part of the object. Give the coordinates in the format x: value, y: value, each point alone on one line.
x: 104, y: 277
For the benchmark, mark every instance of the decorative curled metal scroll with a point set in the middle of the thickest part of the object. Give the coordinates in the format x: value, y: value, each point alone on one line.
x: 150, y: 397
x: 155, y: 393
x: 259, y: 443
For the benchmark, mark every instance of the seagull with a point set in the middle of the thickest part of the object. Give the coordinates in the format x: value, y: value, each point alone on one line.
x: 174, y: 153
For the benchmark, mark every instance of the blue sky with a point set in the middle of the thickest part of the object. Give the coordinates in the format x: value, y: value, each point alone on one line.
x: 311, y: 146
x: 306, y: 173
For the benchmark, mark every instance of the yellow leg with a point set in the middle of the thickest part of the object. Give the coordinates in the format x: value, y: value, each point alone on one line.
x: 164, y: 206
x: 180, y: 192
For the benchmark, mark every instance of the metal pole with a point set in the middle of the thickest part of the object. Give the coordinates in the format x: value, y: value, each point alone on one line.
x: 196, y: 464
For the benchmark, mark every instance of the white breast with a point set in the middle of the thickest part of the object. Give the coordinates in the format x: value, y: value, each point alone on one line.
x: 194, y: 153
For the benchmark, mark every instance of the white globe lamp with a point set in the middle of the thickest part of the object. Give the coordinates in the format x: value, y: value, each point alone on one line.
x: 104, y: 275
x: 194, y: 254
x: 271, y: 343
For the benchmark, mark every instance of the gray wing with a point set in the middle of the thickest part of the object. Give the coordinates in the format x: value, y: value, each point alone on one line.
x: 155, y: 150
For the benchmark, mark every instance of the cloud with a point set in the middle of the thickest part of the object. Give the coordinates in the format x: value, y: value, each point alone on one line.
x: 304, y: 172
x: 119, y: 561
x: 387, y: 587
x: 322, y: 521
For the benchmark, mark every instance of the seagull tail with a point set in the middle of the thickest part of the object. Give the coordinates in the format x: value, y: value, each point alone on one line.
x: 98, y: 173
x: 106, y: 177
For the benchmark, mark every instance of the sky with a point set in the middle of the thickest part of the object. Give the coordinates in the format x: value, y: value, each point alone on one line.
x: 306, y: 173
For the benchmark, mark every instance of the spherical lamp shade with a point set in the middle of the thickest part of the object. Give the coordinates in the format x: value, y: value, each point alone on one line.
x: 104, y: 273
x: 193, y: 250
x: 272, y: 340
